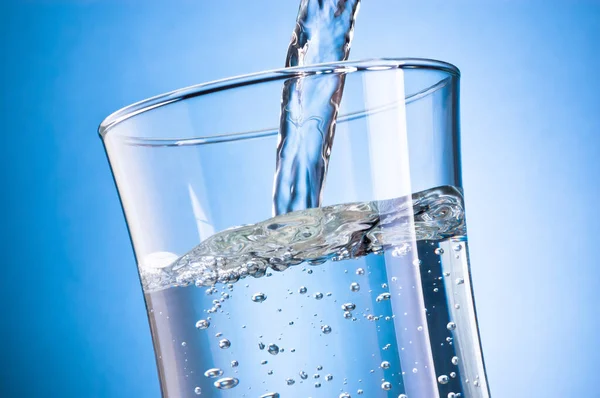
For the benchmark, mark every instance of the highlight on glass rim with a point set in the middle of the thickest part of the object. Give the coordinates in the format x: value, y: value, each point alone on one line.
x: 339, y: 266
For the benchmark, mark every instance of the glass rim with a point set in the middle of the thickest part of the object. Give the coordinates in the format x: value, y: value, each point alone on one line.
x: 375, y: 64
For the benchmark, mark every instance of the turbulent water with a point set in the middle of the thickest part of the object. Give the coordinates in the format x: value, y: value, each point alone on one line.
x: 309, y: 105
x: 336, y: 232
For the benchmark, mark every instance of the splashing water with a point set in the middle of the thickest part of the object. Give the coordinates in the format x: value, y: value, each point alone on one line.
x: 314, y: 235
x: 309, y: 105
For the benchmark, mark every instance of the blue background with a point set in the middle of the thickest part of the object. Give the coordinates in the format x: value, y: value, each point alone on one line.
x: 71, y: 309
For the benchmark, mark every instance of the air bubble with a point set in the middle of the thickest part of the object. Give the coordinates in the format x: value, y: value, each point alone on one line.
x: 383, y: 297
x: 224, y: 344
x: 420, y: 328
x: 443, y: 379
x: 347, y: 315
x: 460, y: 281
x: 360, y: 392
x: 329, y: 377
x: 261, y: 346
x: 302, y: 290
x: 183, y: 343
x: 454, y: 360
x: 402, y: 396
x: 326, y: 329
x: 360, y: 271
x: 439, y: 251
x: 453, y: 374
x: 386, y: 385
x: 273, y: 349
x: 290, y: 382
x: 415, y: 370
x: 348, y: 306
x: 451, y: 326
x: 317, y: 385
x: 385, y: 365
x: 303, y: 375
x: 344, y: 395
x: 355, y: 287
x: 417, y: 262
x: 457, y: 248
x: 197, y: 391
x: 226, y: 383
x: 234, y: 364
x: 318, y: 295
x: 202, y: 324
x: 259, y: 297
x: 319, y: 367
x: 270, y: 395
x: 214, y: 372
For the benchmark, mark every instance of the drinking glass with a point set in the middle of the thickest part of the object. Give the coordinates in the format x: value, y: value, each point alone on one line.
x: 369, y: 294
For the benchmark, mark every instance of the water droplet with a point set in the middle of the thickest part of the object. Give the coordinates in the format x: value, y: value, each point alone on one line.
x: 449, y: 339
x: 303, y: 375
x: 453, y: 374
x: 355, y: 287
x: 302, y: 290
x: 383, y: 297
x: 224, y: 344
x: 259, y: 297
x: 415, y: 370
x: 454, y: 360
x: 360, y: 392
x: 451, y: 395
x: 310, y: 271
x: 420, y: 328
x: 344, y: 395
x: 261, y: 346
x: 317, y: 385
x: 214, y: 372
x: 416, y: 262
x: 439, y: 251
x: 385, y: 365
x: 347, y: 315
x: 348, y: 306
x: 384, y: 286
x: 270, y: 395
x: 290, y: 381
x: 316, y: 375
x: 290, y: 323
x: 326, y: 329
x: 218, y: 334
x: 318, y: 296
x: 273, y: 349
x: 197, y: 391
x: 183, y: 343
x: 451, y: 326
x: 270, y: 372
x: 443, y: 379
x: 460, y: 281
x: 329, y: 377
x: 435, y: 290
x: 402, y: 396
x: 319, y: 367
x: 360, y: 271
x: 386, y: 385
x: 457, y: 248
x: 457, y: 306
x: 226, y: 383
x: 386, y: 347
x: 234, y: 364
x: 264, y: 362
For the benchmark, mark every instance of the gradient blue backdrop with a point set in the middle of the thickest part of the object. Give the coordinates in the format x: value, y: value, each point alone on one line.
x: 71, y: 310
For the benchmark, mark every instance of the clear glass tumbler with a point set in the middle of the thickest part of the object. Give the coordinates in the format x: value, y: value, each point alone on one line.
x: 369, y: 294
